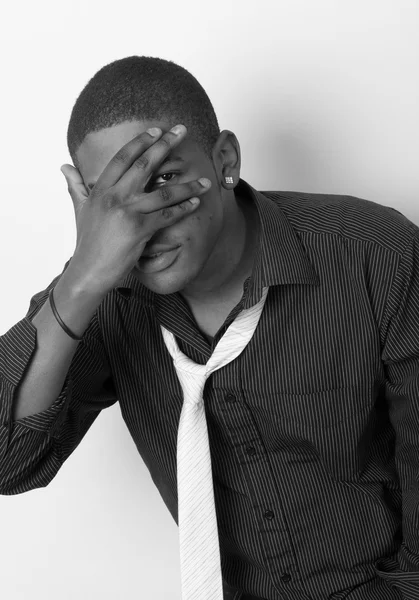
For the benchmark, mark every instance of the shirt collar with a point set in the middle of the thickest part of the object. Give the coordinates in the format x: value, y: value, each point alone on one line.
x: 280, y: 257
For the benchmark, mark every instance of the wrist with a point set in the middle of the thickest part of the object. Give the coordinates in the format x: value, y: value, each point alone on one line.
x: 80, y: 282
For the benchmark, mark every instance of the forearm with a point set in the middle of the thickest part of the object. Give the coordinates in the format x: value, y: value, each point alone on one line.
x: 76, y: 302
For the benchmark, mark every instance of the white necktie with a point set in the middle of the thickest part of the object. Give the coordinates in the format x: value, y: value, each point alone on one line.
x: 200, y: 564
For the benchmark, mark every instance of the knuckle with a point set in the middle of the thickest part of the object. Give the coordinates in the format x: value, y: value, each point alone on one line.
x: 166, y: 193
x: 110, y: 200
x: 167, y: 213
x: 132, y: 198
x: 141, y: 163
x: 121, y: 156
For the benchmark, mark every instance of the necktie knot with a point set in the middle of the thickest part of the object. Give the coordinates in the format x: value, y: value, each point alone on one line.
x: 192, y: 378
x: 183, y: 363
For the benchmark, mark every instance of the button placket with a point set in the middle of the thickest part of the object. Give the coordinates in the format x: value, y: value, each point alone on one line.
x: 272, y: 521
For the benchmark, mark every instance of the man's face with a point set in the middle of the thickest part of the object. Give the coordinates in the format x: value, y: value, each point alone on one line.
x: 197, y: 233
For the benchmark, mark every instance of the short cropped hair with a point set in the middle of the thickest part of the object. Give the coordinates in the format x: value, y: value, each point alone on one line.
x: 143, y: 88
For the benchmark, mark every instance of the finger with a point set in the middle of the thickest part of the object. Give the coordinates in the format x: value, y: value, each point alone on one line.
x: 165, y: 217
x: 75, y: 185
x: 168, y: 195
x: 142, y: 168
x: 124, y: 158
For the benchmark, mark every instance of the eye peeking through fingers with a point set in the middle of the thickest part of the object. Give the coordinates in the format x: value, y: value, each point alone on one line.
x: 153, y: 181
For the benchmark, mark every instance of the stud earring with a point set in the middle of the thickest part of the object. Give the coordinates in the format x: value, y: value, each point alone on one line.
x: 229, y: 180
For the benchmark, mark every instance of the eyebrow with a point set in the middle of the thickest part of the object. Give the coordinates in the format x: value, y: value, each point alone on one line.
x: 168, y: 159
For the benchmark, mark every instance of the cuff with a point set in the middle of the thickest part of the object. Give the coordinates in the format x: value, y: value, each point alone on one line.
x: 49, y: 420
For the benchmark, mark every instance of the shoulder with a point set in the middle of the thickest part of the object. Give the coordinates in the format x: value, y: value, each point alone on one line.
x: 355, y: 219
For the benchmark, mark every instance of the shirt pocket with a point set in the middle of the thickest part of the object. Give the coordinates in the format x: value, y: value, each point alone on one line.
x: 335, y: 425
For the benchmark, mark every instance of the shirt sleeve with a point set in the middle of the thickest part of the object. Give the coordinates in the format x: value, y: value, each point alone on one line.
x: 401, y: 360
x: 33, y: 448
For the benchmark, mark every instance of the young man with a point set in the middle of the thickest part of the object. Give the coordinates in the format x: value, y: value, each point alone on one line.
x: 312, y: 427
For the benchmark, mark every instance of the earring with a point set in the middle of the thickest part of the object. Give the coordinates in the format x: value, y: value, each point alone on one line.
x: 229, y: 180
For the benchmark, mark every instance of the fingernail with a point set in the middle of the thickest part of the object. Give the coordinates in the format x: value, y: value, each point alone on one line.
x: 177, y: 129
x: 154, y: 131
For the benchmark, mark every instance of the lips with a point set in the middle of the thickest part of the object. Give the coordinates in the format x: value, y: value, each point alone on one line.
x: 157, y: 249
x: 159, y: 261
x: 152, y: 255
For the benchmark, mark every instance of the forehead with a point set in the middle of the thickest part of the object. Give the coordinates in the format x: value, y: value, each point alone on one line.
x: 99, y: 147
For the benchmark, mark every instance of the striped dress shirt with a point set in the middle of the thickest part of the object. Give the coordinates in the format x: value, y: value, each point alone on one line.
x: 314, y: 428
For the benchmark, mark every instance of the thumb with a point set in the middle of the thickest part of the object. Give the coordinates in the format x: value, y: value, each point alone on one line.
x: 75, y: 185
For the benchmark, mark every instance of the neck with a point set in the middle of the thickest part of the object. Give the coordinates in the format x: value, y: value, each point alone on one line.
x: 231, y: 262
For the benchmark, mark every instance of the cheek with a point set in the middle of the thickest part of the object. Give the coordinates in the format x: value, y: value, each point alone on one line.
x: 204, y: 228
x: 200, y: 230
x: 210, y: 212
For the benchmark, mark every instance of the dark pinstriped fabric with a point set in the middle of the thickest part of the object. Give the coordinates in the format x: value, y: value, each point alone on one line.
x: 313, y: 429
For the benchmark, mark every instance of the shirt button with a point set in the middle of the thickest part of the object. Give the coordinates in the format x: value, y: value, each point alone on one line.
x: 230, y: 398
x: 286, y: 577
x: 269, y: 514
x: 250, y: 450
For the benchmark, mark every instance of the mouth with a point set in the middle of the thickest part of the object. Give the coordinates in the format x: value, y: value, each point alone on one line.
x: 158, y: 262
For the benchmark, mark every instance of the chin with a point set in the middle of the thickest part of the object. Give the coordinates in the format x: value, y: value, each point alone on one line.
x: 165, y: 282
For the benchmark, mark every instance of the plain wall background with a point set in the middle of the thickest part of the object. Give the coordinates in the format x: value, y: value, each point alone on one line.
x: 322, y: 95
